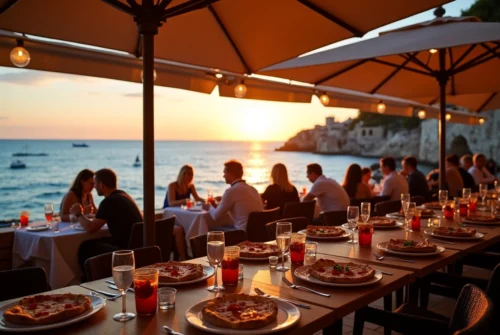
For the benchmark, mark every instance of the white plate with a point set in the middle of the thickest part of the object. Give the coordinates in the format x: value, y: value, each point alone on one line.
x: 288, y: 315
x: 97, y: 304
x: 396, y: 215
x: 475, y: 237
x: 341, y: 237
x: 383, y: 246
x: 480, y: 223
x: 77, y: 227
x: 38, y: 228
x: 208, y: 272
x: 303, y: 273
x: 397, y: 225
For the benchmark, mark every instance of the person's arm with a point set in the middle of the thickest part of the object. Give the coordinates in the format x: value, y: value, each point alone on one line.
x: 488, y: 177
x: 171, y: 197
x: 313, y: 193
x: 68, y: 201
x: 90, y: 225
x: 195, y: 194
x: 224, y: 206
x: 386, y: 189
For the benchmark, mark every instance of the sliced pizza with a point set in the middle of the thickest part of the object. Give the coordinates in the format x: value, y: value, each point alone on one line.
x: 457, y: 232
x: 175, y: 272
x: 258, y: 250
x: 411, y: 246
x: 328, y: 270
x: 324, y: 231
x: 381, y: 221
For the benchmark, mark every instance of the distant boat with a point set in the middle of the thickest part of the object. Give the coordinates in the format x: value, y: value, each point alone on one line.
x: 137, y: 162
x: 26, y: 153
x: 17, y: 165
x: 80, y: 145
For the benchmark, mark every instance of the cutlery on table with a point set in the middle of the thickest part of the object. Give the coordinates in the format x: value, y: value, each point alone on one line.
x: 296, y: 303
x: 380, y: 258
x: 303, y: 288
x: 171, y: 331
x: 384, y: 272
x: 109, y: 298
x: 114, y: 287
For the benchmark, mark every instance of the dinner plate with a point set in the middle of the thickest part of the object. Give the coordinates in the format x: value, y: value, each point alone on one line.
x: 259, y: 258
x: 464, y: 220
x: 77, y: 227
x: 303, y: 273
x: 288, y: 315
x: 475, y: 237
x: 396, y: 215
x: 198, y: 210
x: 38, y: 228
x: 340, y: 237
x: 397, y: 225
x: 97, y: 304
x: 383, y: 246
x: 208, y: 272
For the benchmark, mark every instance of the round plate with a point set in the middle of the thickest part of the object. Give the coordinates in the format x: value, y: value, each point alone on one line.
x: 97, y: 304
x: 77, y: 227
x: 396, y: 215
x: 38, y: 228
x: 464, y: 220
x: 197, y: 210
x: 475, y: 237
x: 397, y: 225
x: 383, y: 246
x: 303, y: 273
x: 288, y: 315
x: 340, y: 237
x: 208, y: 272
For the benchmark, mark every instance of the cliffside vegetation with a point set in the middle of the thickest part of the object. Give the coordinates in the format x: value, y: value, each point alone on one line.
x: 486, y: 10
x: 392, y: 122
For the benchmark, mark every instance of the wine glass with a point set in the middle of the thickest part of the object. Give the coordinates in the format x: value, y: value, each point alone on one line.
x: 410, y: 212
x: 215, y: 253
x: 210, y: 196
x: 405, y: 199
x: 365, y: 211
x: 466, y: 193
x: 483, y: 190
x: 49, y: 212
x: 123, y: 265
x: 443, y: 197
x: 283, y: 239
x: 352, y: 220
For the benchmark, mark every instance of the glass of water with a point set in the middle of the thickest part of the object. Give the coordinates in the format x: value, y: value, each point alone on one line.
x: 352, y: 220
x: 466, y: 193
x: 123, y: 265
x: 443, y: 197
x: 410, y: 212
x: 483, y: 190
x: 365, y: 211
x: 283, y: 239
x: 166, y: 298
x: 215, y: 253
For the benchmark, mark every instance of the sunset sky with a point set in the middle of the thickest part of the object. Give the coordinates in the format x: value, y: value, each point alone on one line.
x: 43, y: 105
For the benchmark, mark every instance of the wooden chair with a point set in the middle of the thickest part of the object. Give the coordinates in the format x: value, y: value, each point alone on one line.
x: 418, y: 200
x: 257, y: 221
x: 199, y: 243
x: 386, y: 207
x: 333, y: 218
x: 297, y: 225
x: 164, y: 236
x: 22, y: 282
x: 99, y: 267
x: 299, y: 209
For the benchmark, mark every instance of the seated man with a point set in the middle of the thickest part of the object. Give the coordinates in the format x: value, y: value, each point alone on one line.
x: 479, y: 171
x: 454, y: 178
x: 468, y: 180
x: 394, y: 183
x: 117, y: 209
x: 331, y: 196
x: 239, y: 200
x: 417, y: 184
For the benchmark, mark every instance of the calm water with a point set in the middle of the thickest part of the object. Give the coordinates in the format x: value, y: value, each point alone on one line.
x: 46, y: 179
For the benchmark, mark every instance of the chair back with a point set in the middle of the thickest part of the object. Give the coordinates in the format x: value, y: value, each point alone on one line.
x: 418, y: 200
x: 164, y: 236
x: 378, y: 198
x: 333, y: 218
x: 297, y: 225
x: 199, y: 243
x: 299, y: 209
x: 22, y: 282
x: 386, y: 207
x: 99, y: 267
x: 493, y: 292
x: 472, y: 313
x: 257, y: 224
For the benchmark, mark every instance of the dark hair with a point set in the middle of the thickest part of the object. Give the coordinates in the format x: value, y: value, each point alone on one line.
x: 411, y: 161
x: 478, y: 156
x: 467, y: 159
x: 315, y: 168
x: 76, y: 187
x: 389, y: 162
x: 107, y: 177
x: 453, y: 160
x: 365, y: 170
x: 234, y: 167
x: 352, y: 179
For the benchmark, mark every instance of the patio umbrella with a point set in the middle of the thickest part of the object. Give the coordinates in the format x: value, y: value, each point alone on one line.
x: 241, y: 36
x: 458, y: 55
x: 479, y: 102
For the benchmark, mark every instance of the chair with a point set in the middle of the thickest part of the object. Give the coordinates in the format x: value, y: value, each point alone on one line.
x: 164, y: 236
x: 333, y: 218
x: 377, y: 199
x: 256, y: 225
x: 297, y: 225
x: 418, y: 200
x: 99, y: 267
x: 199, y: 243
x: 299, y: 209
x: 386, y: 207
x: 22, y: 282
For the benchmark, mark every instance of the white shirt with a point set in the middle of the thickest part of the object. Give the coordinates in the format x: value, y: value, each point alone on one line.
x: 394, y: 185
x: 331, y: 195
x: 481, y: 176
x: 239, y: 201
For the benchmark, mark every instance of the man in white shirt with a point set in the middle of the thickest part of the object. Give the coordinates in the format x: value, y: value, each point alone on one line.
x: 479, y: 171
x: 239, y: 200
x: 331, y: 196
x: 394, y: 183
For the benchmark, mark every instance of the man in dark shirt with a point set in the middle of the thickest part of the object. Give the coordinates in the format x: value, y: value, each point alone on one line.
x: 417, y: 183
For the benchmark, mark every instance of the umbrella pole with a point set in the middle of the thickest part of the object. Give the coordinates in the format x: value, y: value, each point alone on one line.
x: 442, y: 79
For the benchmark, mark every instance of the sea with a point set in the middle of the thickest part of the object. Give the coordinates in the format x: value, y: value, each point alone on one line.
x: 47, y: 178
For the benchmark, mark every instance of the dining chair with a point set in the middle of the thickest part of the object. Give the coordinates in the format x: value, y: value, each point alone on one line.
x: 164, y: 236
x: 199, y: 243
x: 379, y: 198
x: 257, y: 221
x: 298, y: 224
x: 386, y: 207
x: 22, y: 282
x: 299, y: 209
x: 99, y: 267
x: 418, y: 200
x: 333, y: 218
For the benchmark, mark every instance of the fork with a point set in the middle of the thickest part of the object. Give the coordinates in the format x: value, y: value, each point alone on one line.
x: 303, y: 288
x: 171, y: 331
x: 380, y: 258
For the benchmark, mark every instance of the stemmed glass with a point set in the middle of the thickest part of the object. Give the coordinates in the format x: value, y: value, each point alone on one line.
x: 210, y: 196
x: 409, y: 213
x: 365, y: 211
x: 483, y: 190
x: 49, y: 212
x: 123, y: 265
x: 215, y: 253
x: 466, y: 193
x: 443, y: 197
x: 405, y: 199
x: 283, y: 239
x: 352, y: 221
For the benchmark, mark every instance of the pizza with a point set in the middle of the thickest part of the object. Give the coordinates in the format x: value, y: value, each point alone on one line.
x: 380, y: 221
x: 411, y: 246
x: 424, y: 212
x: 46, y: 309
x: 176, y: 272
x: 240, y: 311
x: 457, y: 232
x: 258, y: 250
x: 328, y: 270
x: 433, y: 205
x: 482, y: 218
x: 324, y: 231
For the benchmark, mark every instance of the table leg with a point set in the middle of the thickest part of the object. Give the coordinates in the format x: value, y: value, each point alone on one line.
x: 388, y: 308
x: 334, y: 329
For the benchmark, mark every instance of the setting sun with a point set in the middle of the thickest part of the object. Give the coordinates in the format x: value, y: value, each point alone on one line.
x: 256, y: 122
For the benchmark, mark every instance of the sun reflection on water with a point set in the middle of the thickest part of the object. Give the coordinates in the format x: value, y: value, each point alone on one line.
x: 256, y: 172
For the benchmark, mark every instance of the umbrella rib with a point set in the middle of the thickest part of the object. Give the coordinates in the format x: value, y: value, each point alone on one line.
x: 452, y: 76
x: 187, y: 7
x: 121, y: 6
x: 7, y: 5
x: 390, y: 76
x: 331, y: 17
x: 478, y: 60
x: 418, y: 62
x: 461, y: 58
x: 338, y: 73
x: 480, y: 109
x: 397, y: 65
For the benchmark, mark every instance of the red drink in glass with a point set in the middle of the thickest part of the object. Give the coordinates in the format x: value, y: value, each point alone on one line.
x: 297, y: 251
x: 365, y: 232
x: 48, y: 216
x: 304, y: 190
x: 230, y: 268
x: 24, y: 218
x: 189, y: 204
x: 473, y: 205
x: 448, y: 212
x: 415, y: 223
x: 146, y: 296
x: 463, y: 209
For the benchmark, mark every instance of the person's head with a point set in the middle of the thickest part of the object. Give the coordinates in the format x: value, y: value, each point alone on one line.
x: 314, y: 171
x: 366, y: 175
x: 409, y: 164
x: 479, y: 160
x: 352, y: 179
x: 452, y: 161
x: 466, y: 161
x: 279, y: 176
x: 233, y: 170
x: 186, y: 175
x: 83, y: 183
x: 105, y: 181
x: 387, y: 165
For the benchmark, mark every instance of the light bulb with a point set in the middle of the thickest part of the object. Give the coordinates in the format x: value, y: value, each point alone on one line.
x: 154, y: 75
x: 325, y: 99
x: 481, y: 120
x: 433, y: 51
x: 381, y: 107
x: 421, y: 114
x: 240, y: 90
x: 448, y: 117
x: 20, y: 57
x: 219, y: 75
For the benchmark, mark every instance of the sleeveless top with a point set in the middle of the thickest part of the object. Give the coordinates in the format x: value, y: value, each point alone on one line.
x: 177, y: 197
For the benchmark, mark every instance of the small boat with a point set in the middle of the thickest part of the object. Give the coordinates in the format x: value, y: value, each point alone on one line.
x: 17, y: 165
x: 137, y: 162
x: 80, y: 145
x: 25, y: 153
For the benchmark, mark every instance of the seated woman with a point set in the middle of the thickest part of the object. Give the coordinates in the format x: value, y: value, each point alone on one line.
x: 281, y: 191
x: 353, y: 184
x: 366, y: 176
x: 179, y: 192
x: 79, y: 193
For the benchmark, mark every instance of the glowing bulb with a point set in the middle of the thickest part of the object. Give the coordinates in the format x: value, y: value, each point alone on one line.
x: 433, y: 51
x: 381, y: 107
x: 448, y: 117
x: 325, y: 99
x: 219, y: 75
x: 421, y: 114
x: 240, y: 90
x: 481, y: 120
x: 20, y: 57
x: 154, y: 75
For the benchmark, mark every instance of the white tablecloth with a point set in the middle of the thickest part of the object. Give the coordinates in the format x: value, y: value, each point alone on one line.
x: 56, y: 253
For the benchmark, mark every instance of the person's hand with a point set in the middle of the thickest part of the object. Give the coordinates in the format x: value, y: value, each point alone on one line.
x: 76, y: 209
x: 88, y: 209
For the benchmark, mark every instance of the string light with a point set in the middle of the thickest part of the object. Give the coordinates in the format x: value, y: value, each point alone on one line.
x: 422, y: 114
x: 240, y: 90
x: 433, y: 51
x: 448, y: 117
x: 381, y: 107
x: 481, y: 120
x: 19, y: 56
x: 325, y: 99
x: 218, y: 75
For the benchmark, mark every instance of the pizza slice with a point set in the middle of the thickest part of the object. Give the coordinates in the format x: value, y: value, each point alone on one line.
x: 176, y: 272
x: 324, y: 231
x: 328, y: 270
x: 411, y: 246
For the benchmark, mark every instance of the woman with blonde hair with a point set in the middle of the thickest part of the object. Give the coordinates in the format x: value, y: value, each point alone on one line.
x: 281, y: 190
x: 179, y: 192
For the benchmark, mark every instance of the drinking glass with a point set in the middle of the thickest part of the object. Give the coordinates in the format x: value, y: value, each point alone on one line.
x: 283, y: 239
x: 230, y: 265
x: 123, y: 265
x: 473, y: 203
x: 166, y: 298
x: 210, y: 196
x: 49, y: 211
x: 146, y: 291
x: 24, y: 218
x: 443, y: 197
x: 483, y: 190
x: 352, y: 221
x: 466, y: 193
x: 215, y: 253
x: 297, y: 248
x: 410, y: 212
x: 365, y: 232
x: 405, y: 199
x: 365, y: 211
x: 463, y: 207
